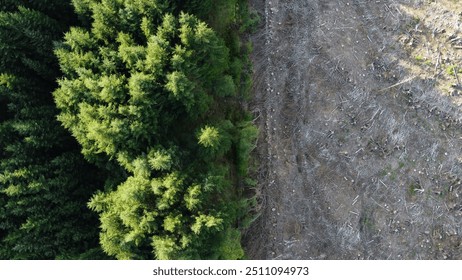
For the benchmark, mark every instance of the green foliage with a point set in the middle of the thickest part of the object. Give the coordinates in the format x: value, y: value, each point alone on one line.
x: 230, y: 246
x: 163, y: 212
x: 160, y: 160
x: 46, y: 202
x: 453, y: 69
x: 58, y: 10
x: 115, y: 91
x: 201, y: 8
x: 223, y: 16
x: 206, y: 223
x: 165, y: 247
x: 226, y: 87
x: 192, y: 198
x: 216, y: 140
x: 26, y: 42
x: 139, y: 82
x: 249, y: 19
x: 149, y: 91
x: 209, y: 137
x: 247, y: 136
x: 44, y: 182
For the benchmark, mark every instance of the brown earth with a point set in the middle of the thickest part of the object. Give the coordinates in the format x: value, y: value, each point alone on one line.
x: 361, y: 129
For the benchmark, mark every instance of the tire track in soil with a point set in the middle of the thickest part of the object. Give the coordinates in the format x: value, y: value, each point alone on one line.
x: 355, y: 163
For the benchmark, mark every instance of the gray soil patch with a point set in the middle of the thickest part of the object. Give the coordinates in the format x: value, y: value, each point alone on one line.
x: 361, y: 127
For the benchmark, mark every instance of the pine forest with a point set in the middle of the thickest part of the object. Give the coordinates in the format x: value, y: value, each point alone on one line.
x: 123, y: 129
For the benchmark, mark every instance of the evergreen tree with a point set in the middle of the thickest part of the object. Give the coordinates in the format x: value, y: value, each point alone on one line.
x: 138, y: 84
x: 44, y: 181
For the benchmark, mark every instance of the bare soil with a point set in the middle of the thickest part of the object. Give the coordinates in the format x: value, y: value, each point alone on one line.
x: 358, y: 104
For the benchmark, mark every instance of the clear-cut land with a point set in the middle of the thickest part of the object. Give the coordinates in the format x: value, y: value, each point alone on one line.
x: 358, y: 104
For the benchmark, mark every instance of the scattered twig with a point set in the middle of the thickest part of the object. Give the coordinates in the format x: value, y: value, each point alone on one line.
x: 355, y: 200
x: 455, y: 74
x: 398, y: 84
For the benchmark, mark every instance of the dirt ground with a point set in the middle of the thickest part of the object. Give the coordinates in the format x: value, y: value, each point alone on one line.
x: 358, y: 104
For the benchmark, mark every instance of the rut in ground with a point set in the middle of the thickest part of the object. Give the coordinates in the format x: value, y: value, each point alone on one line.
x: 360, y: 120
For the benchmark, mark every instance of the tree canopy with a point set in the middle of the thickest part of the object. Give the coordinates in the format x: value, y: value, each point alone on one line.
x: 121, y: 129
x: 44, y: 180
x: 139, y: 84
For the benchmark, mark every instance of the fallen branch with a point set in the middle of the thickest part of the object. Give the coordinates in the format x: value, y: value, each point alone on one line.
x: 398, y: 84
